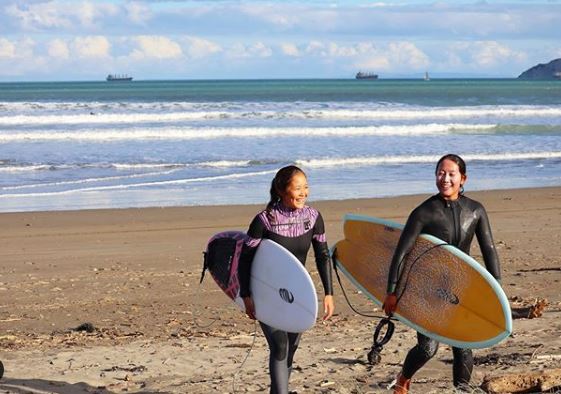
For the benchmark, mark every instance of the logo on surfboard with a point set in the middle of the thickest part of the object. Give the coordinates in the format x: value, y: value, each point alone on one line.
x: 447, y: 296
x: 286, y: 296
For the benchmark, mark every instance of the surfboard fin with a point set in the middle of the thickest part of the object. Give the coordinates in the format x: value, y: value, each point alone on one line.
x: 205, y: 267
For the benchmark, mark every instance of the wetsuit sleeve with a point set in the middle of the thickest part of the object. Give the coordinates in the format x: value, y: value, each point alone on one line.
x: 486, y: 244
x: 409, y: 235
x: 255, y: 234
x: 321, y: 252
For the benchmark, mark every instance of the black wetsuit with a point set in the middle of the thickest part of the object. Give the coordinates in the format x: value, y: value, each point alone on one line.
x: 455, y: 222
x: 296, y: 230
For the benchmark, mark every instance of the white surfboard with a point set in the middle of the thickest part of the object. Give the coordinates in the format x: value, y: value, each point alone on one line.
x: 283, y: 291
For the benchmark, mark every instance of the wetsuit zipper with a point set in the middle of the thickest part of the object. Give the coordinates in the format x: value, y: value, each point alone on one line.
x: 456, y: 220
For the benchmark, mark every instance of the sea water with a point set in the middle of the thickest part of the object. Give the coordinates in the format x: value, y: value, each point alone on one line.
x: 79, y: 145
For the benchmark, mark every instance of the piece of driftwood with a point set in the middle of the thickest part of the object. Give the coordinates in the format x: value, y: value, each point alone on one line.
x: 529, y: 311
x: 545, y: 357
x: 529, y: 382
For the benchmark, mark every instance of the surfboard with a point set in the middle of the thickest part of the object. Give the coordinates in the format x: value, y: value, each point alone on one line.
x: 283, y: 291
x: 443, y: 293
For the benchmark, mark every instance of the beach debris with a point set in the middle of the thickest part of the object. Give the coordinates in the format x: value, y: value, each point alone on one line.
x: 541, y: 358
x: 510, y: 359
x: 535, y: 382
x: 528, y: 309
x: 131, y: 368
x: 87, y: 327
x: 326, y: 383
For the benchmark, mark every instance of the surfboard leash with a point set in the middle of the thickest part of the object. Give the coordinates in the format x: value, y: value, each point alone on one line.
x: 374, y: 355
x: 411, y: 268
x: 245, y: 359
x: 345, y: 293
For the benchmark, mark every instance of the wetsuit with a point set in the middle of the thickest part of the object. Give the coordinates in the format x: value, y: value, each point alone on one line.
x: 455, y: 222
x: 296, y: 230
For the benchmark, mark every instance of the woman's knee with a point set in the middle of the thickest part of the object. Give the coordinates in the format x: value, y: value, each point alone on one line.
x: 427, y: 347
x: 280, y: 348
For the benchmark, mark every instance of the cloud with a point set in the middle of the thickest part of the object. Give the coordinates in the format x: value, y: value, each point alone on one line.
x: 491, y: 53
x: 156, y: 47
x: 331, y: 49
x: 138, y: 13
x: 7, y: 49
x: 199, y: 47
x: 407, y: 54
x: 42, y: 15
x: 60, y: 15
x: 91, y: 46
x: 289, y: 49
x: 255, y: 50
x: 484, y: 54
x: 58, y: 49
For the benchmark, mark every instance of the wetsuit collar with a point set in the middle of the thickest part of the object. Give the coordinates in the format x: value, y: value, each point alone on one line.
x: 287, y: 211
x: 448, y: 203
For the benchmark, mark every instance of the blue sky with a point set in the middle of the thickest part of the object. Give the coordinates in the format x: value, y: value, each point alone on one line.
x: 196, y: 39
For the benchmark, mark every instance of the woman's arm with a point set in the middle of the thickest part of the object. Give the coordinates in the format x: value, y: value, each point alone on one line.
x: 323, y: 264
x: 323, y: 259
x: 255, y: 234
x: 486, y: 244
x: 409, y: 235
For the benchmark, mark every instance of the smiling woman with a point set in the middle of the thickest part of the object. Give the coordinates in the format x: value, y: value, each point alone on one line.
x: 455, y: 219
x: 296, y: 226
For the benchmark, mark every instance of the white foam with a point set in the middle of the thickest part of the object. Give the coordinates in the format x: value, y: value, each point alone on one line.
x: 117, y: 113
x: 372, y: 161
x: 85, y: 181
x: 189, y: 133
x: 143, y: 184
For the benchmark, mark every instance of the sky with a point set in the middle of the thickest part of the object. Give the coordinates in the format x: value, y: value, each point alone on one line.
x: 219, y: 39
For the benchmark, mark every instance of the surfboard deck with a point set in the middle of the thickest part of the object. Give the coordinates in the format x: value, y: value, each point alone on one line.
x: 443, y: 293
x: 283, y: 292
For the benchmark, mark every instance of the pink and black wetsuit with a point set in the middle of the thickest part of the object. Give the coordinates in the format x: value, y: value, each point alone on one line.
x: 296, y: 230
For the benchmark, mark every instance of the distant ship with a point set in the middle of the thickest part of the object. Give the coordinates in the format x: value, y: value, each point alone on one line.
x: 361, y: 75
x: 117, y: 77
x: 426, y: 78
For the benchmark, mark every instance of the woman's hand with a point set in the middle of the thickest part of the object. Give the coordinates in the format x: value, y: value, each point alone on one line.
x: 328, y: 307
x: 390, y: 304
x: 249, y: 307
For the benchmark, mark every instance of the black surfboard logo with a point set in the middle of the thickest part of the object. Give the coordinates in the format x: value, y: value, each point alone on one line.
x: 286, y: 296
x: 447, y: 296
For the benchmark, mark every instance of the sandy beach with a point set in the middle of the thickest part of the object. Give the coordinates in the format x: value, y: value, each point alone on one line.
x: 133, y: 275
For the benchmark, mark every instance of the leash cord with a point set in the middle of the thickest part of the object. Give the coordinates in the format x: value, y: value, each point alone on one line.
x: 245, y: 359
x: 347, y: 298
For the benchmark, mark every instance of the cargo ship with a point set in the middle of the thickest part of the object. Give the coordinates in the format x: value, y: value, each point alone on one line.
x: 362, y: 75
x: 118, y: 77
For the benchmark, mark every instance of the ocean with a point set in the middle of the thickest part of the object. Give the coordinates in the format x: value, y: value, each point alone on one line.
x: 84, y: 145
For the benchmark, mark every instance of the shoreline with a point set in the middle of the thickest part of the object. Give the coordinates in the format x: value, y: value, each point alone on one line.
x: 313, y: 202
x: 133, y: 273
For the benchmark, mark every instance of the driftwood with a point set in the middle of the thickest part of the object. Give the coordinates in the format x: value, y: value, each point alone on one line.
x: 529, y: 311
x: 530, y: 382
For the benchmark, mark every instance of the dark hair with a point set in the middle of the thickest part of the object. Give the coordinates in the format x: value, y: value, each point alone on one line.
x: 280, y: 182
x: 456, y: 159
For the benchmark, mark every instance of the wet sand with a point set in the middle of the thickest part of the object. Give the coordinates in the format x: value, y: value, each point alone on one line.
x: 133, y: 274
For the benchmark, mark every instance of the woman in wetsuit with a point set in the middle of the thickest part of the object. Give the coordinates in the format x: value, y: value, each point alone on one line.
x: 296, y: 226
x: 455, y: 219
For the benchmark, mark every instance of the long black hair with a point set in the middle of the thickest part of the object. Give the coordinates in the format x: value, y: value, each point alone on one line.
x: 280, y: 183
x: 456, y: 159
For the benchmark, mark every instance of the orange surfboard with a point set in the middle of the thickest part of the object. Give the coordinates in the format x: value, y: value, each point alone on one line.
x: 443, y: 293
